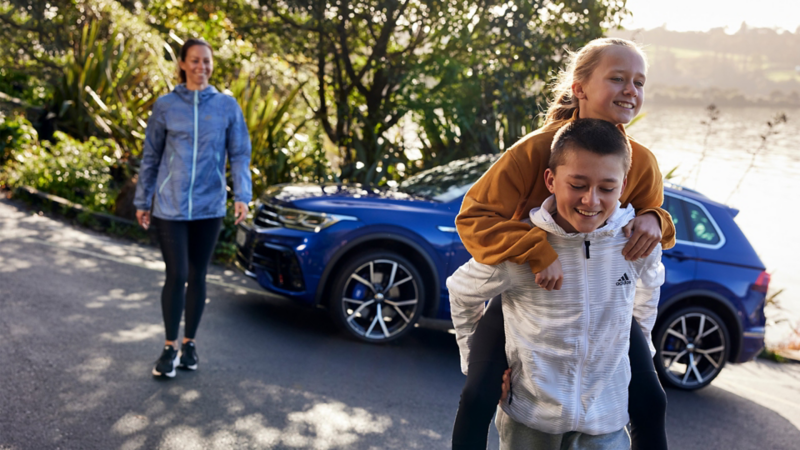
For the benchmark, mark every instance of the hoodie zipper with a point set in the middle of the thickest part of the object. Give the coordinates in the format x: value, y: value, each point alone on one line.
x: 194, y: 155
x: 585, y: 336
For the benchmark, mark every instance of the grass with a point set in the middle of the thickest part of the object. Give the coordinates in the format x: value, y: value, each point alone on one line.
x: 772, y: 356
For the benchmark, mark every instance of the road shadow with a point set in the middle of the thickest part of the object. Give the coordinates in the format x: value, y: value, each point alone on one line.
x: 79, y: 334
x: 713, y: 418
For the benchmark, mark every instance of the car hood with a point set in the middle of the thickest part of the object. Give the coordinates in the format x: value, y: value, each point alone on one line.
x: 335, y: 197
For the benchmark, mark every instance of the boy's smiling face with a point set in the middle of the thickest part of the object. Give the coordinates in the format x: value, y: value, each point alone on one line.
x: 587, y: 187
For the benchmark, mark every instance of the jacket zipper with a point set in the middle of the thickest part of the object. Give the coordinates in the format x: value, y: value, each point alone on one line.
x: 194, y: 156
x: 585, y: 337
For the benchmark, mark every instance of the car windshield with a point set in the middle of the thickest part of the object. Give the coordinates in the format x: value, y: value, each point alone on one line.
x: 450, y: 181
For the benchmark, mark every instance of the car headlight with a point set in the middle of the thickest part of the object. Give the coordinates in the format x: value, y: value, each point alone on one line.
x: 301, y: 220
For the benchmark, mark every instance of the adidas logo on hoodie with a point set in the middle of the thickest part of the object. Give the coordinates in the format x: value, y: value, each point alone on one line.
x: 624, y: 280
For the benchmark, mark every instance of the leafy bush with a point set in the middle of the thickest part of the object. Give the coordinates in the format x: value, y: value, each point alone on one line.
x: 281, y: 152
x: 80, y: 172
x: 15, y: 133
x: 104, y: 90
x: 29, y: 89
x: 226, y: 243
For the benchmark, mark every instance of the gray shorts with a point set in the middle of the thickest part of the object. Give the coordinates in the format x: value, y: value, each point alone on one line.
x: 515, y: 436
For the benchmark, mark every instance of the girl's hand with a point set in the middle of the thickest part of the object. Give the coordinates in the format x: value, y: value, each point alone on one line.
x: 506, y: 386
x: 644, y: 233
x: 551, y: 277
x: 143, y: 217
x: 239, y: 212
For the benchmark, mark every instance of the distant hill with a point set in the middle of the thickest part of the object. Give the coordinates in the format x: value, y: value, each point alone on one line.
x: 754, y: 66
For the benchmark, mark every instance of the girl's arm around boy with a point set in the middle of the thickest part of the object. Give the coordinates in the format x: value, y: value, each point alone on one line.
x: 489, y: 221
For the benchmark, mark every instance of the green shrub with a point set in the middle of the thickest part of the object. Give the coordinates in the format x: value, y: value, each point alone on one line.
x: 15, y: 133
x: 225, y: 251
x: 80, y: 172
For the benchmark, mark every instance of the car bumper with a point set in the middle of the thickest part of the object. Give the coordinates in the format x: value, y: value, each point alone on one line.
x: 752, y: 344
x: 275, y: 258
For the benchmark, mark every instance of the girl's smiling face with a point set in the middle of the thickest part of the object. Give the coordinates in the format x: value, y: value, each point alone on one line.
x: 615, y: 89
x: 197, y: 66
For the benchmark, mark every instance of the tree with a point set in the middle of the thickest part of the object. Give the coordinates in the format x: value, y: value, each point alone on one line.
x: 473, y: 72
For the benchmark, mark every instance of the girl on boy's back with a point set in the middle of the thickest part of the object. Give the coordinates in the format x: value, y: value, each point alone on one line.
x: 604, y: 80
x: 569, y: 348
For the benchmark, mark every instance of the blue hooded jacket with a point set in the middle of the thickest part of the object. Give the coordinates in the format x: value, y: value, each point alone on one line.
x: 188, y: 137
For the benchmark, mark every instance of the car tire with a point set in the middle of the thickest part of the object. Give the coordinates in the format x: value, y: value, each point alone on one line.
x: 377, y: 297
x: 692, y: 346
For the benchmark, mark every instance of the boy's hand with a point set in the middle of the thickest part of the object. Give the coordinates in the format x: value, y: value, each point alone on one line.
x: 506, y: 386
x: 551, y: 277
x: 644, y: 233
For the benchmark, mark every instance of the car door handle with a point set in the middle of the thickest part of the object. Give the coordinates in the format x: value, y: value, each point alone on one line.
x: 680, y: 256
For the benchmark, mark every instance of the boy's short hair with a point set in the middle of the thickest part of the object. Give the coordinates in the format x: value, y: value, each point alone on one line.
x: 594, y: 135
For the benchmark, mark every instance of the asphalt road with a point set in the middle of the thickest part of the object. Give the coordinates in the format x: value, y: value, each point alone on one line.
x: 80, y: 328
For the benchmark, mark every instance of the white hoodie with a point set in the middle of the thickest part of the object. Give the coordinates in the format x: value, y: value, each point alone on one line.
x: 568, y: 349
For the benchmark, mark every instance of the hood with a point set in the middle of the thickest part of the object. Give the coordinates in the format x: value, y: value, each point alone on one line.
x: 188, y: 95
x: 352, y: 200
x: 542, y: 217
x: 289, y: 193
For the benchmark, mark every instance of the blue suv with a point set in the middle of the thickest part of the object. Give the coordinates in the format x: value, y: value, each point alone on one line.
x: 378, y: 258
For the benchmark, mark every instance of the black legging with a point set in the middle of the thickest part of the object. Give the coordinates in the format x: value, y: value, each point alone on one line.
x: 647, y: 402
x: 187, y: 247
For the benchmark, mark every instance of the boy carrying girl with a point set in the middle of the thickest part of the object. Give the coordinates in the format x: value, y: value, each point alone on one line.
x: 568, y: 348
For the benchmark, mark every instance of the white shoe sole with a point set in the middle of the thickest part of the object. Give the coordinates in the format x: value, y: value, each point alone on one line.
x: 184, y: 366
x: 168, y: 374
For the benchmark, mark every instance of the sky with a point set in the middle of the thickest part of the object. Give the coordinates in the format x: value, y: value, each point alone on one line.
x: 702, y: 15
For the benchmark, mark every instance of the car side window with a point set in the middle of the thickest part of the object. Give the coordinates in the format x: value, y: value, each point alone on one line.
x: 674, y: 208
x: 702, y: 230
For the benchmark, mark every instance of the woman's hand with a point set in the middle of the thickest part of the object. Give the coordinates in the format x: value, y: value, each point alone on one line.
x: 644, y: 233
x: 551, y: 277
x: 143, y: 217
x: 239, y: 212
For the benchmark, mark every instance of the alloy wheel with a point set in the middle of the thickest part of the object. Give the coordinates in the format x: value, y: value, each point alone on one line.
x: 693, y: 348
x: 380, y: 299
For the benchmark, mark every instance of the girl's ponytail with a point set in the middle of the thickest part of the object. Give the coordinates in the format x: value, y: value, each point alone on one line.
x: 580, y: 66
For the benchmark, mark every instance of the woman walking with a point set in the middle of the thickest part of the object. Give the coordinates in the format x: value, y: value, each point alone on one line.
x: 191, y: 133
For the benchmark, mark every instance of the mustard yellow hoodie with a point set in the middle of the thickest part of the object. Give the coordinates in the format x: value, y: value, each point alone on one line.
x: 490, y: 224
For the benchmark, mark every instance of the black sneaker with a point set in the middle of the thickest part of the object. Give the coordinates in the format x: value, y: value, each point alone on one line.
x: 165, y: 366
x: 189, y: 358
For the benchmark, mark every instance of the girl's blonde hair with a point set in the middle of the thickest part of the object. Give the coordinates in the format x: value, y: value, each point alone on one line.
x: 580, y: 66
